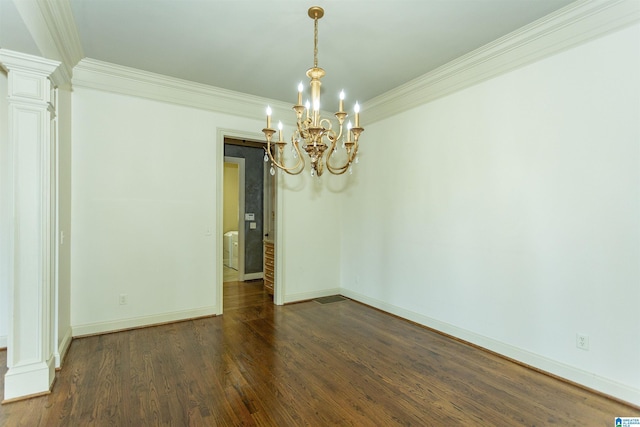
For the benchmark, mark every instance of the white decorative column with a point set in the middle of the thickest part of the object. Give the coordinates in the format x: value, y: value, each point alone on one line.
x: 30, y: 193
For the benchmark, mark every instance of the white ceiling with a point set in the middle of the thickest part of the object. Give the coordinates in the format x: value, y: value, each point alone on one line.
x: 264, y: 47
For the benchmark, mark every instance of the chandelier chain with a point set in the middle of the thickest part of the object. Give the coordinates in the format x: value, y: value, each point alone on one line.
x: 315, y: 42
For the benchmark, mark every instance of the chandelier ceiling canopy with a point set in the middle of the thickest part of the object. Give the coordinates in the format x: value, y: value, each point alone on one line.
x: 315, y: 134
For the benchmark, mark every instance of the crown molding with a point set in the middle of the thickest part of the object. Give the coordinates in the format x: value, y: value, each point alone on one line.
x: 575, y: 24
x: 62, y: 27
x: 572, y: 25
x: 51, y: 24
x: 94, y: 74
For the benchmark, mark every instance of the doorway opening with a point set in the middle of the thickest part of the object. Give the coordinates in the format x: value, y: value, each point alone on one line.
x: 233, y: 202
x: 248, y: 215
x: 250, y: 208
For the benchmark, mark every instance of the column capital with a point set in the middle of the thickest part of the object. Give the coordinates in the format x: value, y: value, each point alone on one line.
x: 17, y: 61
x: 30, y: 77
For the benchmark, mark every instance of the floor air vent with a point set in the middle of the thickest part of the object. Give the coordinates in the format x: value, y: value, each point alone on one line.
x: 328, y: 300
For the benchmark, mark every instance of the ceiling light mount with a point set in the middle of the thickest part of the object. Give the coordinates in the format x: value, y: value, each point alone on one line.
x: 314, y: 133
x: 316, y: 12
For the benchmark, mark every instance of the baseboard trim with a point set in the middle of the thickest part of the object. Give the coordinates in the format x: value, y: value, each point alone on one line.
x: 253, y: 276
x: 604, y: 386
x: 29, y: 396
x: 304, y: 296
x: 63, y: 348
x: 142, y: 321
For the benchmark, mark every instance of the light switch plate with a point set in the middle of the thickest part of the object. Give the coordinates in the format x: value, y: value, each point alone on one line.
x: 249, y: 217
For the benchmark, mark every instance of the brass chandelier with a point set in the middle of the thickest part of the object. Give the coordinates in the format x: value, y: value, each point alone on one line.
x: 313, y: 132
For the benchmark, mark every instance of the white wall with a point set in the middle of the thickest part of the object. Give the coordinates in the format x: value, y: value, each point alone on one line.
x: 508, y: 214
x: 143, y: 188
x: 309, y: 236
x: 143, y: 198
x: 4, y: 214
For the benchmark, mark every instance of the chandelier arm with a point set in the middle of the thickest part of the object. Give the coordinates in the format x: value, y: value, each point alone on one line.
x: 301, y: 126
x: 339, y: 170
x: 301, y: 161
x: 334, y: 141
x: 290, y: 170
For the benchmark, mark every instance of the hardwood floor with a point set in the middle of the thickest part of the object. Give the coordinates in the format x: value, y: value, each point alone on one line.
x: 229, y: 274
x: 304, y: 364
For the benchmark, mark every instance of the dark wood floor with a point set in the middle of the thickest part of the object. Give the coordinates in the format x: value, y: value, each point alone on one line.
x: 304, y: 364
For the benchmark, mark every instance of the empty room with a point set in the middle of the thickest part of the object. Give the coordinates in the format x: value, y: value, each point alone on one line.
x: 274, y: 213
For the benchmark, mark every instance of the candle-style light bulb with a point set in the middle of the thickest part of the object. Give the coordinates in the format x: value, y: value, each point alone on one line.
x: 349, y: 126
x: 341, y: 109
x: 280, y: 131
x: 268, y: 117
x: 307, y: 105
x: 356, y: 109
x: 300, y: 88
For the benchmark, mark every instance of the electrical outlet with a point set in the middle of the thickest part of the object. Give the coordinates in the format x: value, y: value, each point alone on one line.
x: 123, y: 299
x: 582, y: 341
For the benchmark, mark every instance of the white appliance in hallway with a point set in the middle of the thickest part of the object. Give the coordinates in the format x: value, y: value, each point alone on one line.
x: 231, y: 249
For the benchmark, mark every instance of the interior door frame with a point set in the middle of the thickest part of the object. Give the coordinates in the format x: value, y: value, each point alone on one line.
x: 223, y: 133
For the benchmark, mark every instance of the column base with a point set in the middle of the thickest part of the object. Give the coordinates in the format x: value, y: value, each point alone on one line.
x: 29, y: 381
